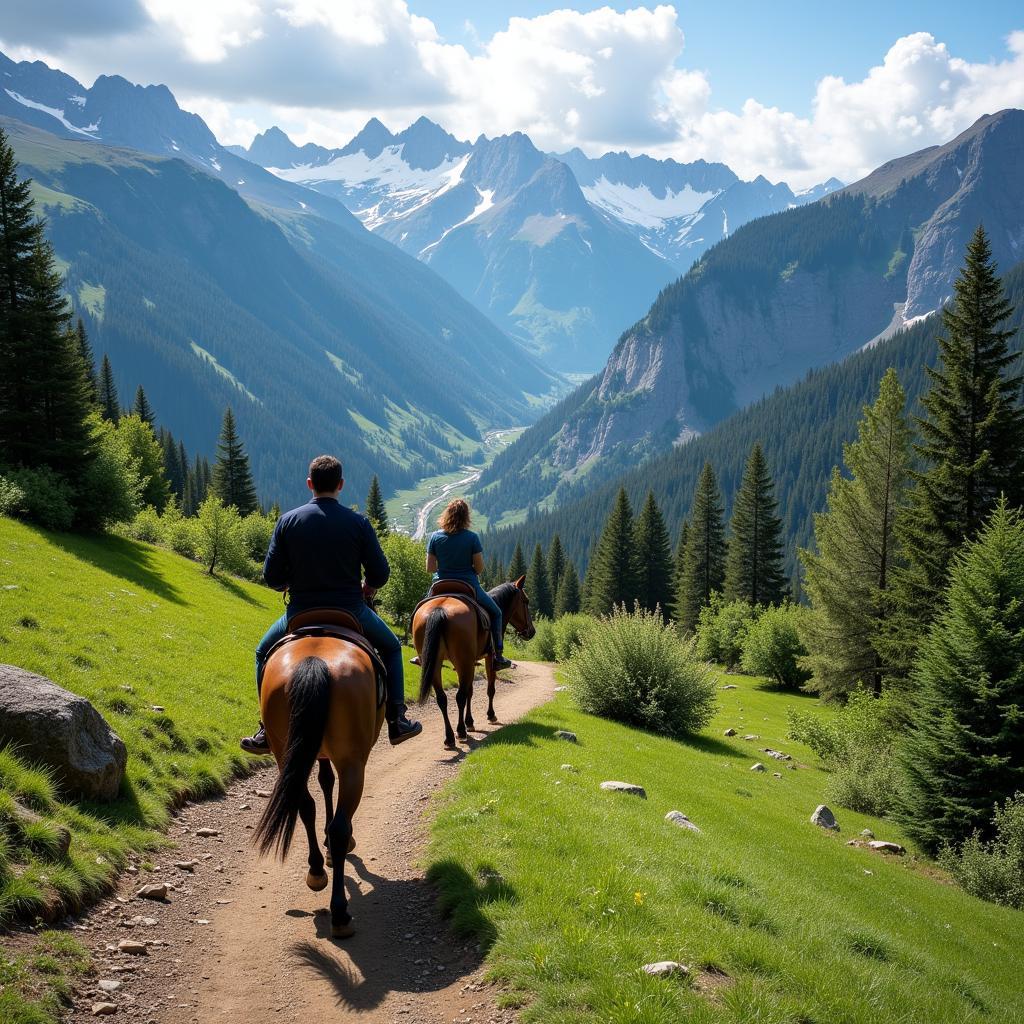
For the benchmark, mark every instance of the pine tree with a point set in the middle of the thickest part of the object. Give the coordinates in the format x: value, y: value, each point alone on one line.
x: 88, y: 362
x: 754, y: 562
x: 965, y: 749
x: 540, y: 590
x: 173, y: 469
x: 703, y: 560
x: 849, y: 575
x: 971, y: 447
x: 275, y: 511
x: 376, y: 511
x: 653, y: 558
x: 556, y: 565
x: 232, y: 478
x: 567, y: 597
x: 142, y: 408
x: 678, y: 560
x: 612, y: 577
x: 517, y: 567
x: 110, y: 404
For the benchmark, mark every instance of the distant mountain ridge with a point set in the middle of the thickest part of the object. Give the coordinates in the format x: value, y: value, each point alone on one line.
x: 782, y: 295
x: 629, y: 225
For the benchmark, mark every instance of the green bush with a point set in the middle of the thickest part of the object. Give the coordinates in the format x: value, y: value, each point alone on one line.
x: 994, y: 870
x: 857, y: 745
x: 111, y: 491
x: 542, y: 646
x: 177, y: 532
x: 569, y: 632
x: 256, y: 530
x: 46, y: 497
x: 721, y: 627
x: 146, y: 526
x: 409, y: 579
x: 772, y: 647
x: 12, y: 498
x: 219, y: 537
x: 633, y: 668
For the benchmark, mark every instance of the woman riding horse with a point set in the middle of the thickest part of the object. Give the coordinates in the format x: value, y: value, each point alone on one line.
x: 454, y: 552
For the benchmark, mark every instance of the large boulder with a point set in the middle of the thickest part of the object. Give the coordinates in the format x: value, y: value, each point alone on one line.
x: 62, y: 731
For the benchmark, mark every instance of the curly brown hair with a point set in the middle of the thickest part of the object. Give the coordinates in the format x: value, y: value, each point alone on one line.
x: 455, y: 517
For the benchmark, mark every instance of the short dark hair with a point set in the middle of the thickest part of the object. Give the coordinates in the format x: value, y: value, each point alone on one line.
x: 325, y: 472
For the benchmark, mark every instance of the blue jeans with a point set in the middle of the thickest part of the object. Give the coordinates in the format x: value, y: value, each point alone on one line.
x: 377, y: 632
x: 489, y: 606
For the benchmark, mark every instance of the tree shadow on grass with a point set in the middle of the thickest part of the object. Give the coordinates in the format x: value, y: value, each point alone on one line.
x: 526, y: 734
x: 132, y: 562
x: 235, y: 589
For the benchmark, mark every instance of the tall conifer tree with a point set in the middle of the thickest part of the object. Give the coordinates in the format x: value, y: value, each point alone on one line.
x: 567, y: 597
x: 232, y: 478
x: 88, y: 362
x: 556, y: 565
x: 965, y: 749
x: 754, y: 562
x: 142, y: 408
x: 376, y: 510
x: 612, y: 573
x: 517, y: 567
x: 849, y: 575
x: 971, y: 448
x: 540, y: 589
x: 653, y: 558
x: 110, y: 404
x: 703, y: 561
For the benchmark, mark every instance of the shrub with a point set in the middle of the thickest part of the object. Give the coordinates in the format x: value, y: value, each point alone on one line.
x: 218, y: 536
x: 146, y: 526
x: 542, y: 646
x: 720, y: 630
x: 994, y: 870
x: 409, y: 580
x: 46, y: 497
x: 569, y: 632
x: 857, y: 745
x: 12, y: 498
x: 112, y: 486
x: 256, y: 530
x: 772, y: 646
x: 633, y: 668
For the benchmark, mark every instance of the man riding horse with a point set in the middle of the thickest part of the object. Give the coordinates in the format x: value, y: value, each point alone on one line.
x: 318, y: 554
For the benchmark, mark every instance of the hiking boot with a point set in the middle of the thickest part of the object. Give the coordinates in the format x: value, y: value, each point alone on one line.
x: 415, y: 660
x: 401, y: 728
x: 257, y: 743
x: 500, y: 662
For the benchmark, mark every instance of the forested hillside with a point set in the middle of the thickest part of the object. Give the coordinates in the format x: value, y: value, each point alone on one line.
x: 802, y: 429
x: 319, y: 339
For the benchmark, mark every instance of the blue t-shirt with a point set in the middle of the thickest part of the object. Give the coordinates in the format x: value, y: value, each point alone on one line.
x: 454, y: 553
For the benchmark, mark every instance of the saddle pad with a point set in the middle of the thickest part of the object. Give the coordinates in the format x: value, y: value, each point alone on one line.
x: 347, y: 635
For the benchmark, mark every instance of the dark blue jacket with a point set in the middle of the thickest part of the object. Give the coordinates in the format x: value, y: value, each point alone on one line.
x: 319, y: 551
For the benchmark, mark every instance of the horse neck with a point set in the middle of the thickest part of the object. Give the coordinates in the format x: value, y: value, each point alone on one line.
x: 502, y: 595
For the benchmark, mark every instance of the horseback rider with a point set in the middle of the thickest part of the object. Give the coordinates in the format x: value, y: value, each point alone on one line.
x: 454, y: 552
x: 318, y: 554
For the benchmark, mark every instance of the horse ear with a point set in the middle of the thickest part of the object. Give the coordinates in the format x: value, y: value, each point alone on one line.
x: 520, y: 582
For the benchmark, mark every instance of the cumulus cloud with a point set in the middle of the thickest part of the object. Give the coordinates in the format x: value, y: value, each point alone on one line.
x: 602, y: 79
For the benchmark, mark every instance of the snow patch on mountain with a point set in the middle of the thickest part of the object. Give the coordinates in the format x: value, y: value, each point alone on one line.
x: 638, y: 206
x: 486, y: 202
x: 54, y: 112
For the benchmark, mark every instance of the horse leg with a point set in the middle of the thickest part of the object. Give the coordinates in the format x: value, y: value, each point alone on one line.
x: 491, y: 675
x: 316, y: 878
x: 466, y: 674
x: 325, y: 776
x: 461, y: 701
x: 340, y: 836
x: 442, y: 703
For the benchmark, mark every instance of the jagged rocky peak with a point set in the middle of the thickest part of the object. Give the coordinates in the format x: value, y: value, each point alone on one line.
x: 426, y: 145
x: 503, y: 164
x: 370, y: 141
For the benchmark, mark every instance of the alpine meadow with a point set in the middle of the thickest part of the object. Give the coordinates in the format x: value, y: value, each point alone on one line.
x: 511, y: 514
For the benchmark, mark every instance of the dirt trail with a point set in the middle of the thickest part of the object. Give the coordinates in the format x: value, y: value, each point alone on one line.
x: 244, y: 940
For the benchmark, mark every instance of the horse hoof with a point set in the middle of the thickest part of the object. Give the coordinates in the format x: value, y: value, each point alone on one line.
x: 351, y: 843
x: 342, y: 931
x: 463, y: 735
x: 493, y: 719
x: 317, y: 882
x: 328, y: 859
x: 471, y: 727
x: 450, y: 745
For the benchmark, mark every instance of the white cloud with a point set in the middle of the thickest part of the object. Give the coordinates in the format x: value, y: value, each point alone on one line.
x: 602, y: 79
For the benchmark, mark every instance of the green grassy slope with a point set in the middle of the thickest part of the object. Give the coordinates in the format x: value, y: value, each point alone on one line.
x: 578, y: 888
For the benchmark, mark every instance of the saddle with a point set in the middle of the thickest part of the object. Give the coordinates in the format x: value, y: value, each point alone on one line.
x: 341, y: 625
x: 461, y: 591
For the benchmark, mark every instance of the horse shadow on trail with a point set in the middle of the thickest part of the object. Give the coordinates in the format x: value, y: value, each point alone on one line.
x: 364, y: 970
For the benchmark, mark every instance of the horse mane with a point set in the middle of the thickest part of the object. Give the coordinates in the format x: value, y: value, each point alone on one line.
x: 502, y: 595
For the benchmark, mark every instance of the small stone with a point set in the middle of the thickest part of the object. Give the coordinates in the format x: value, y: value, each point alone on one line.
x: 680, y: 819
x: 564, y: 734
x: 883, y: 847
x: 776, y: 775
x: 158, y: 707
x: 103, y: 1009
x: 186, y: 865
x: 108, y: 984
x: 666, y: 969
x: 202, y: 920
x: 559, y: 689
x: 751, y: 736
x: 133, y: 947
x: 824, y: 818
x: 777, y: 754
x: 207, y: 833
x: 729, y: 732
x: 153, y: 891
x: 263, y: 794
x: 867, y: 833
x: 569, y: 768
x: 729, y: 686
x: 625, y: 787
x: 758, y: 767
x: 244, y: 807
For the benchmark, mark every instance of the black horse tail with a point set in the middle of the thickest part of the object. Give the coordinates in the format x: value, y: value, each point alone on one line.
x: 430, y: 663
x: 309, y: 694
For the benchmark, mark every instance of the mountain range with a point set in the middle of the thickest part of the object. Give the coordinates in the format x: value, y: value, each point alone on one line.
x: 783, y: 294
x: 210, y: 289
x: 561, y: 250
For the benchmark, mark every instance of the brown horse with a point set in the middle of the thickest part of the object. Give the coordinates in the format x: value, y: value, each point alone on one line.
x: 445, y: 628
x: 319, y: 700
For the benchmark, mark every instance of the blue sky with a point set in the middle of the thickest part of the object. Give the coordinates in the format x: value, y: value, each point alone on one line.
x: 795, y: 91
